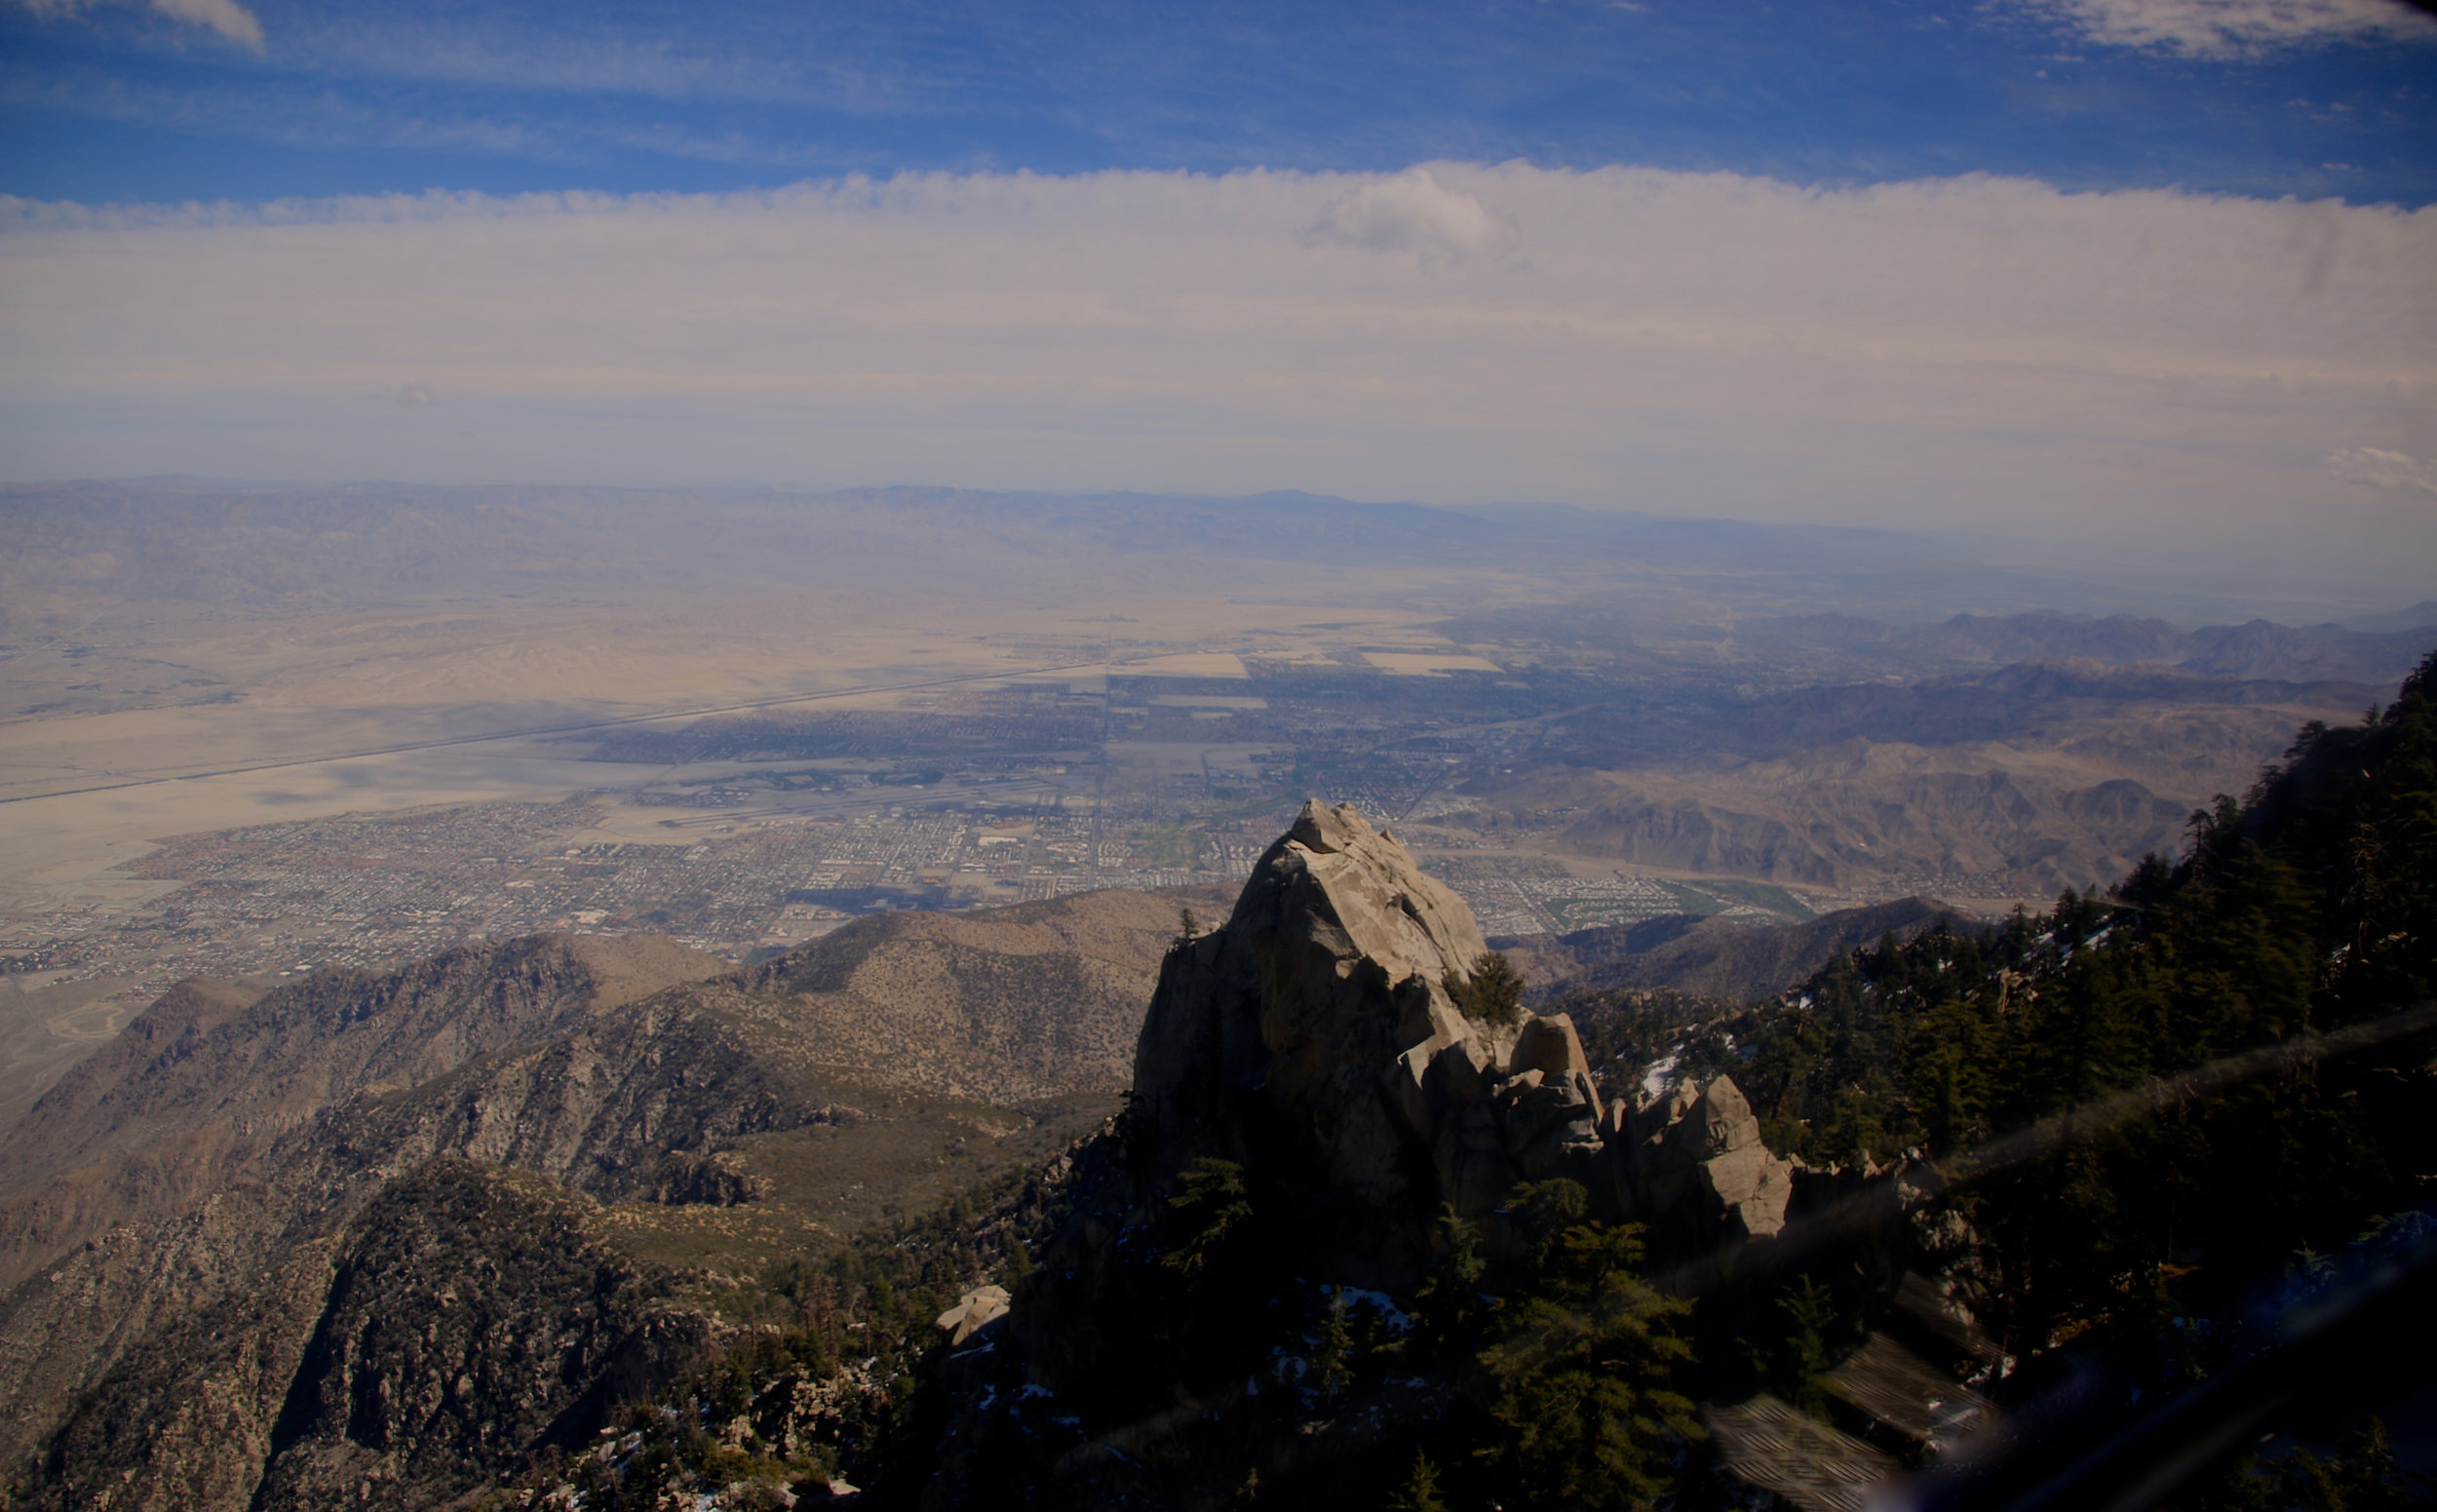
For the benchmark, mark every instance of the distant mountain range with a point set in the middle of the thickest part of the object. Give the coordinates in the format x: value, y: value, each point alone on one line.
x: 2381, y: 651
x: 202, y: 541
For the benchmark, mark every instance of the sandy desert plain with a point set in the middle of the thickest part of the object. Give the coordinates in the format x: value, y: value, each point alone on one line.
x: 449, y: 705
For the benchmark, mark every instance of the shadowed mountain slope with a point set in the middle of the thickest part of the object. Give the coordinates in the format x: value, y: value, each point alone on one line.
x: 1713, y: 957
x: 214, y: 1054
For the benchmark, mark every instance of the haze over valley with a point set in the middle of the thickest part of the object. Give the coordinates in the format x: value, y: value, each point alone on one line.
x: 256, y: 732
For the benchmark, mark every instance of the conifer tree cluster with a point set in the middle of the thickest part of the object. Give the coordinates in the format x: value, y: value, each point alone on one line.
x: 2163, y: 1104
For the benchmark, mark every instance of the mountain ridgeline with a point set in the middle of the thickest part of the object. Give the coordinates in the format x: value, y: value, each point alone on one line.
x: 1310, y: 1200
x: 507, y: 1189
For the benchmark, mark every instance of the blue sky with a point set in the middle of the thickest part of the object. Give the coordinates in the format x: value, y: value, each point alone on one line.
x: 270, y: 99
x: 2123, y: 274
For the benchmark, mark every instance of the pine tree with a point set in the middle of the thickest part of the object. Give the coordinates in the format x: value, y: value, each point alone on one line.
x: 1420, y: 1491
x: 1581, y: 1384
x: 1332, y: 1349
x: 1492, y: 992
x: 1212, y: 1213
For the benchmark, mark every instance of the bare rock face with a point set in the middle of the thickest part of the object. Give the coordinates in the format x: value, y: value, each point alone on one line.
x: 1693, y: 1166
x: 1315, y: 1039
x: 976, y: 1310
x: 719, y: 1179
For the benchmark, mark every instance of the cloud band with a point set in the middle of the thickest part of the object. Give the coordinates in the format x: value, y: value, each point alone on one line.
x: 1971, y: 351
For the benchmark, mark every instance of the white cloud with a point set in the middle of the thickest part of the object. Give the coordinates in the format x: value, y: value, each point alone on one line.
x: 225, y: 17
x: 2235, y: 29
x: 2384, y: 469
x: 1413, y: 213
x: 1977, y: 352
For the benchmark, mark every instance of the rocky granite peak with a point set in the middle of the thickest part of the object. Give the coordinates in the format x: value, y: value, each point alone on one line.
x: 1281, y: 1040
x: 1318, y: 1084
x: 1320, y: 1042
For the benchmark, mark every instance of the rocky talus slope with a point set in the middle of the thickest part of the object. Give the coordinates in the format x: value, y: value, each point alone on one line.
x: 373, y: 1239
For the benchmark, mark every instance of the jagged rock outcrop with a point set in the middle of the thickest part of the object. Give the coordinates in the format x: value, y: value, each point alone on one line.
x: 1315, y: 1038
x: 719, y: 1179
x: 1318, y: 1040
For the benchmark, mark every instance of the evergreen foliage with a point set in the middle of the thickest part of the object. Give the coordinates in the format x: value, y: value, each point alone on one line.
x: 2361, y: 1476
x: 2309, y: 905
x: 1450, y: 1312
x: 1570, y: 1376
x: 1794, y: 1361
x: 1580, y: 1384
x: 1420, y: 1491
x: 1211, y: 1214
x: 1494, y: 992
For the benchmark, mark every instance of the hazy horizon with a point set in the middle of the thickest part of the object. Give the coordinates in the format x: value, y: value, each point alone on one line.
x: 2186, y: 587
x: 2131, y: 280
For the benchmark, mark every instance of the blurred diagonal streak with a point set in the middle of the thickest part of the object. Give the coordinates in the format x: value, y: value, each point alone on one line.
x: 1918, y: 1183
x: 2315, y: 1349
x: 2318, y: 1348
